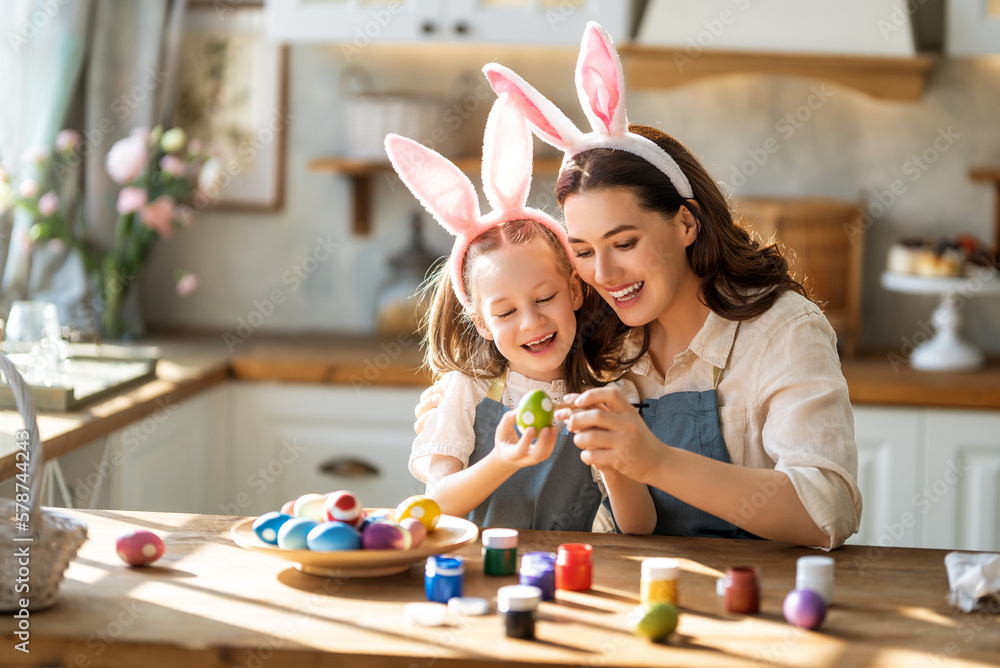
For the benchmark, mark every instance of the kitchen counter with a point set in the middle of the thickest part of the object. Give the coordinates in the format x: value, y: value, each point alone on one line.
x: 193, y: 364
x: 208, y: 602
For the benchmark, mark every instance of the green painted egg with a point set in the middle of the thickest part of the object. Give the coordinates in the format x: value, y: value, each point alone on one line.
x: 534, y: 410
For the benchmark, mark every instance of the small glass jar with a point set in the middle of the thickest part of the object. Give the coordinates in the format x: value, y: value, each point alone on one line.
x: 574, y: 571
x: 658, y: 583
x: 516, y: 606
x: 742, y: 590
x: 499, y: 551
x: 539, y: 570
x: 443, y: 578
x: 815, y: 573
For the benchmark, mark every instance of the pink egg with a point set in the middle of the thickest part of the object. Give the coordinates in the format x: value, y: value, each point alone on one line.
x: 310, y: 507
x: 385, y: 536
x: 139, y: 547
x: 343, y: 506
x: 289, y: 508
x: 416, y: 528
x: 804, y: 608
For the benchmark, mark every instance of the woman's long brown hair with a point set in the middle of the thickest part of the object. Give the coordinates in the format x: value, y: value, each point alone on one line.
x: 452, y: 342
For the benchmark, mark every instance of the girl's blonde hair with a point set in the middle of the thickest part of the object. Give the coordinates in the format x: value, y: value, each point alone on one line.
x: 452, y: 342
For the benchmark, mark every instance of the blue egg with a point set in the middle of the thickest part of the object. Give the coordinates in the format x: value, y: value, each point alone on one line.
x: 266, y: 526
x: 333, y: 537
x: 292, y: 534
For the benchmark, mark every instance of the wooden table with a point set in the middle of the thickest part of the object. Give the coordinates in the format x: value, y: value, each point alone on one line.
x: 210, y: 603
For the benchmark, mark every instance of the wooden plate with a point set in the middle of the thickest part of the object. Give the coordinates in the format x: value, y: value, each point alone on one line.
x: 450, y: 534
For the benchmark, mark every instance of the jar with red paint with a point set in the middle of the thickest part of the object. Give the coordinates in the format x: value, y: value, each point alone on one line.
x: 574, y: 571
x: 742, y: 590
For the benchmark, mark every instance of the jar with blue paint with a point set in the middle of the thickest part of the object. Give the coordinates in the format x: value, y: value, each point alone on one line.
x: 443, y: 578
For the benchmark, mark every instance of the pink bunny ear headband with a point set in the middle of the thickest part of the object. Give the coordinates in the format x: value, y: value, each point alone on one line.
x: 450, y: 197
x: 600, y: 83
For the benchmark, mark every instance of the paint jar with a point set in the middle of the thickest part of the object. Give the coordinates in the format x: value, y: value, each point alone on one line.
x: 499, y: 551
x: 815, y: 573
x: 538, y: 569
x: 658, y: 583
x: 573, y: 567
x: 742, y: 590
x: 443, y: 578
x: 516, y: 606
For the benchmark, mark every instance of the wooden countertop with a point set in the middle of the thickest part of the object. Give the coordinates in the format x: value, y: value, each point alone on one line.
x: 194, y: 364
x: 209, y: 603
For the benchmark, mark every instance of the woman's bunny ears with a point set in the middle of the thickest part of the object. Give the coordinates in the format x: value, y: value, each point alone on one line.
x: 450, y: 197
x: 600, y: 83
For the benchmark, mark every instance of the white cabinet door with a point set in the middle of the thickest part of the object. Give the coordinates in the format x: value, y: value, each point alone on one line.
x: 359, y: 23
x: 962, y: 480
x: 890, y: 453
x: 289, y: 439
x: 173, y: 459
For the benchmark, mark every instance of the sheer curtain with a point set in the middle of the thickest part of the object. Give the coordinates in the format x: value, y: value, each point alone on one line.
x: 119, y: 57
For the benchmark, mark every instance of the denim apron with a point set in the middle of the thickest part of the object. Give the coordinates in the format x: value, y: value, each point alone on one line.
x: 558, y: 494
x: 689, y: 421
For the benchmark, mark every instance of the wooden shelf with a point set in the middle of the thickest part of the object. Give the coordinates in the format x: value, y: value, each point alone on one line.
x: 362, y: 171
x: 990, y: 175
x: 882, y: 77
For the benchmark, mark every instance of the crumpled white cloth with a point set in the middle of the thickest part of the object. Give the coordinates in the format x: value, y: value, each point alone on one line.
x: 974, y: 579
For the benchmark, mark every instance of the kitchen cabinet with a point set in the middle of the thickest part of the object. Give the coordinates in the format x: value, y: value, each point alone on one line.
x: 929, y: 478
x: 973, y: 27
x: 290, y: 439
x: 357, y: 23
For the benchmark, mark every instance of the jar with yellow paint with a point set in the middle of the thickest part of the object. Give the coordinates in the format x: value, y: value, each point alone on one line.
x: 658, y: 583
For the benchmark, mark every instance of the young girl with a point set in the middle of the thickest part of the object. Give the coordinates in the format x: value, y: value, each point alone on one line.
x: 502, y: 323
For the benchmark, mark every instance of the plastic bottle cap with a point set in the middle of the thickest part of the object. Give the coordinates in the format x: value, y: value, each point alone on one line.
x: 425, y: 614
x: 445, y: 565
x: 814, y: 567
x: 468, y: 606
x: 518, y: 598
x: 575, y: 553
x: 661, y: 568
x: 741, y: 576
x: 500, y: 539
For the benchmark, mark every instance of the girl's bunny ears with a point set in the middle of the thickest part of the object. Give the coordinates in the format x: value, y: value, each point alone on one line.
x: 600, y: 83
x: 450, y: 197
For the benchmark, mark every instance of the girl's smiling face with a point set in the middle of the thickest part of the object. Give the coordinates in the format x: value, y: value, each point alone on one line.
x: 634, y: 257
x: 526, y: 305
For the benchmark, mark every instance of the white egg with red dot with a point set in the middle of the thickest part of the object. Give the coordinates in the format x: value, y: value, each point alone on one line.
x: 343, y: 506
x: 310, y: 507
x: 139, y: 547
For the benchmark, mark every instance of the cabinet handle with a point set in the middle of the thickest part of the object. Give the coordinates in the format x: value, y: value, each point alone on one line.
x: 462, y: 28
x: 347, y: 467
x: 428, y: 27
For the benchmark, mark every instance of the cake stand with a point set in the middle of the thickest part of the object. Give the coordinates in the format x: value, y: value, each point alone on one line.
x: 945, y: 351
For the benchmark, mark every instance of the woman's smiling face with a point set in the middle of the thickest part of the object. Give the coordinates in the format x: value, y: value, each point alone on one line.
x: 634, y: 257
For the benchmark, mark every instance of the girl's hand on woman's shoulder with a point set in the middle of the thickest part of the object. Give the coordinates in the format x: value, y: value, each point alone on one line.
x: 526, y: 450
x: 429, y: 400
x: 611, y: 433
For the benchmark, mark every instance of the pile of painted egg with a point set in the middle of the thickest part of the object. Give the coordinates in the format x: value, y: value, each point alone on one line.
x: 337, y: 521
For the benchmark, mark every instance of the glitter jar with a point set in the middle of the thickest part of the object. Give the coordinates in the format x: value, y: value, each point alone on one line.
x: 443, y: 578
x: 658, y: 583
x: 539, y: 570
x: 499, y: 551
x: 573, y: 567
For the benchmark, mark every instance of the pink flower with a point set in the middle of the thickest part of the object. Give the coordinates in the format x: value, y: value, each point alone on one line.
x: 195, y: 146
x: 158, y: 215
x: 145, y: 134
x: 127, y: 158
x: 187, y: 284
x: 67, y: 141
x: 56, y: 246
x: 28, y: 188
x: 173, y: 165
x: 3, y: 175
x: 131, y: 199
x: 34, y: 154
x: 48, y: 204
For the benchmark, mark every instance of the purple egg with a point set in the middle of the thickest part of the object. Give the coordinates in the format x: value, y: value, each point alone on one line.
x: 385, y: 536
x: 804, y: 608
x: 333, y: 537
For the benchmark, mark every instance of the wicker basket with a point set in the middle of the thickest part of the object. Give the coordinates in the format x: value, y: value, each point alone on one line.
x: 36, y: 545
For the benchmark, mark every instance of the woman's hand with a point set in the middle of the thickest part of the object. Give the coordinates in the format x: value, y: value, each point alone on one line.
x: 526, y: 450
x: 429, y: 400
x: 612, y: 435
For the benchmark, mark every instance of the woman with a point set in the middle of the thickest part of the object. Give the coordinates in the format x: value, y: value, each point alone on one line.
x: 747, y: 429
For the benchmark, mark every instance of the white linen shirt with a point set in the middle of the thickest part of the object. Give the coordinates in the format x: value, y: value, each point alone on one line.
x: 783, y: 405
x: 449, y: 429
